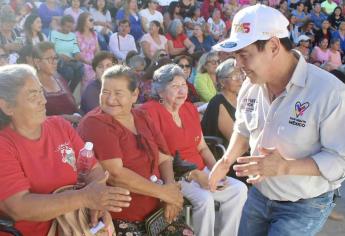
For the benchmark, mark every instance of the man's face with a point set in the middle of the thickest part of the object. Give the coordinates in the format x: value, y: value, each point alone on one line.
x: 317, y: 8
x: 256, y: 64
x: 125, y: 29
x: 67, y: 27
x: 300, y: 7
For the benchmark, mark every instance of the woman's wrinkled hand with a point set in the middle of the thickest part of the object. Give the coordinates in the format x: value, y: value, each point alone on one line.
x: 98, y: 196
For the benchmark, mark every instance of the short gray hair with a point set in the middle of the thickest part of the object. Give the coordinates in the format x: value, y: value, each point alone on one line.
x: 12, y: 79
x: 203, y: 60
x: 118, y: 71
x: 162, y: 77
x: 224, y: 70
x: 173, y: 26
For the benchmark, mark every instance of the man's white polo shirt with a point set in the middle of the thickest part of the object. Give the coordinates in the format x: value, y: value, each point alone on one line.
x: 306, y: 120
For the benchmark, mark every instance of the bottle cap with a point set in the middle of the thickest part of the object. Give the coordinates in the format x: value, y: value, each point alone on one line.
x: 89, y: 146
x: 69, y: 151
x: 153, y: 179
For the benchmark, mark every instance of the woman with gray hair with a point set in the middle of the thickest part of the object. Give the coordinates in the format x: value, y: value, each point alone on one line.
x: 205, y: 79
x: 179, y: 123
x: 37, y: 157
x: 10, y: 38
x: 178, y: 42
x: 133, y: 151
x: 219, y: 116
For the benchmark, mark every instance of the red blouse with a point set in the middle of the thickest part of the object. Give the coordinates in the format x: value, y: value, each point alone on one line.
x: 185, y: 139
x: 178, y: 42
x: 139, y: 153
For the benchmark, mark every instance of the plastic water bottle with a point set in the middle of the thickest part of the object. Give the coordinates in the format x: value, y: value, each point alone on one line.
x: 84, y: 164
x: 155, y: 180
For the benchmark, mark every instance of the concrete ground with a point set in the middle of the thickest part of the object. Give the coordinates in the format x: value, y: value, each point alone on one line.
x: 336, y: 228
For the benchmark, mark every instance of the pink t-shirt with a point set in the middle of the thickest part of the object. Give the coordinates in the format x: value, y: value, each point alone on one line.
x: 322, y: 56
x: 335, y: 59
x: 154, y: 46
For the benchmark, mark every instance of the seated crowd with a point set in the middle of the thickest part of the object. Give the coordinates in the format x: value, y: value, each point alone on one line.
x: 138, y: 79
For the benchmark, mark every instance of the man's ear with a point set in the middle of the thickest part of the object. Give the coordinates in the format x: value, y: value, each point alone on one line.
x: 274, y: 46
x: 6, y: 108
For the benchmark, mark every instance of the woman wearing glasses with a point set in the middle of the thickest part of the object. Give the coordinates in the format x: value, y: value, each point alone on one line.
x: 219, y: 116
x: 179, y: 123
x: 60, y: 100
x: 202, y: 41
x: 88, y: 45
x: 205, y: 79
x: 186, y: 64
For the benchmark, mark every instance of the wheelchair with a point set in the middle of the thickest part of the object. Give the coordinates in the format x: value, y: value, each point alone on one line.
x: 7, y: 226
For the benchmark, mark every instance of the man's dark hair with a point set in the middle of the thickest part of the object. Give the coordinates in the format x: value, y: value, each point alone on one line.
x: 286, y: 42
x: 125, y: 21
x: 66, y: 19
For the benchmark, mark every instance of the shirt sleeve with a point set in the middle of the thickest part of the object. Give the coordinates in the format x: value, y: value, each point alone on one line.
x: 12, y: 177
x: 106, y: 141
x: 331, y: 159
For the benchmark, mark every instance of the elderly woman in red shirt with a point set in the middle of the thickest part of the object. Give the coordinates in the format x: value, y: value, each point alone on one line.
x: 179, y: 123
x: 35, y: 162
x: 129, y: 146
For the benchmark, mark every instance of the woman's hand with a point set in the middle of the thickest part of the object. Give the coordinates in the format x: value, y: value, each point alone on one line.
x: 172, y: 195
x: 201, y: 178
x: 98, y: 196
x: 95, y: 215
x: 171, y: 212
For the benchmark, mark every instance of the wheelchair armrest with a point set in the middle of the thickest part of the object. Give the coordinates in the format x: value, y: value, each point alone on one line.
x: 213, y: 140
x: 7, y: 225
x: 5, y: 222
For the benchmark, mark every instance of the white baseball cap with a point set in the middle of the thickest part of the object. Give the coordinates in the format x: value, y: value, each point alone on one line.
x: 253, y: 23
x: 302, y: 37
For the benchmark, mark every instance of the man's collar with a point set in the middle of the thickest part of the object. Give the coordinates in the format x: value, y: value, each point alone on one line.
x: 300, y: 73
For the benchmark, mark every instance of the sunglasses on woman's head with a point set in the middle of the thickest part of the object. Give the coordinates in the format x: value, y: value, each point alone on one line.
x: 163, y: 55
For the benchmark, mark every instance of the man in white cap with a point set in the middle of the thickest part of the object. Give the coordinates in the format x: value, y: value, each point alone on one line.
x: 291, y: 114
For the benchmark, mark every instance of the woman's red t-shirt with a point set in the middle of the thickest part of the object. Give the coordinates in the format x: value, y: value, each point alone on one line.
x: 137, y: 152
x: 178, y: 42
x: 185, y: 139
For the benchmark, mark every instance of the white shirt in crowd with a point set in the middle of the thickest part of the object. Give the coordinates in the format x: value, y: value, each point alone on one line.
x: 165, y: 3
x: 151, y: 17
x: 99, y: 16
x: 216, y: 28
x: 120, y: 46
x: 304, y: 121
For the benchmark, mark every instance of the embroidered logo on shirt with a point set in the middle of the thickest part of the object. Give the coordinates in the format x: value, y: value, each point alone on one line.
x: 69, y: 159
x: 300, y: 108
